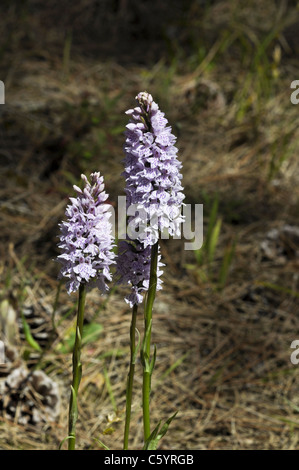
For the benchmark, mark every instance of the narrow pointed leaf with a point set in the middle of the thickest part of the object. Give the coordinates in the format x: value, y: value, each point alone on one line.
x: 29, y: 338
x: 153, y: 441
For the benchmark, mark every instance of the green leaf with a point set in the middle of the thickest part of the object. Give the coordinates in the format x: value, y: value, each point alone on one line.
x: 212, y: 220
x: 213, y: 242
x: 137, y: 347
x: 199, y: 256
x: 145, y: 360
x: 91, y: 332
x: 28, y: 336
x: 101, y: 443
x: 153, y: 440
x: 278, y: 288
x: 74, y: 406
x: 64, y: 440
x: 153, y: 360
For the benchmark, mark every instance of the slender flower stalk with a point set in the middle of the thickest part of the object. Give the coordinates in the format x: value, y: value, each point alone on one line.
x: 153, y: 185
x: 77, y: 369
x: 86, y: 244
x: 148, y: 365
x: 130, y: 379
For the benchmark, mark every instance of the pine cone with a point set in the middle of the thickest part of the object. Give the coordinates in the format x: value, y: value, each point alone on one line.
x: 29, y: 397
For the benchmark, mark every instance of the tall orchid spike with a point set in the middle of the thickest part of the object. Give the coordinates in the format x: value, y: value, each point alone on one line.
x: 152, y: 170
x: 153, y: 185
x: 86, y: 240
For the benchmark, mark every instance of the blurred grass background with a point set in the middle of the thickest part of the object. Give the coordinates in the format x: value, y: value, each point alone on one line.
x: 225, y: 320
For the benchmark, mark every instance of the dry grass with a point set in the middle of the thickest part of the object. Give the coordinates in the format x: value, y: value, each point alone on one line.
x: 223, y: 357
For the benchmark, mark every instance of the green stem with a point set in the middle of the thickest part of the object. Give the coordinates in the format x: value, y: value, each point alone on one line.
x: 130, y: 376
x: 77, y: 369
x: 147, y: 365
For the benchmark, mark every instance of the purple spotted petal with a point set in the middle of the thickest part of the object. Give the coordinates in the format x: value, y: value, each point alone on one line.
x: 86, y: 240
